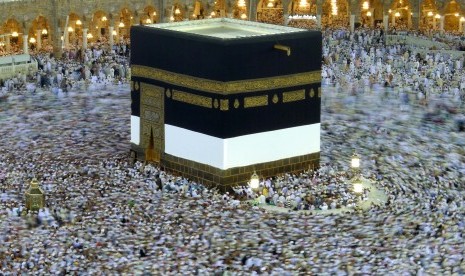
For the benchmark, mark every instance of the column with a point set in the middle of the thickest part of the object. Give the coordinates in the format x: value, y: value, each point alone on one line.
x: 84, y: 38
x: 57, y: 43
x: 110, y: 30
x: 39, y: 39
x: 252, y: 10
x: 409, y: 21
x: 441, y: 24
x: 352, y: 22
x: 460, y: 26
x: 386, y: 22
x: 372, y: 18
x: 393, y: 20
x: 7, y: 43
x: 319, y: 12
x: 416, y: 21
x: 160, y: 10
x: 434, y: 23
x: 285, y: 4
x: 66, y: 38
x: 25, y: 46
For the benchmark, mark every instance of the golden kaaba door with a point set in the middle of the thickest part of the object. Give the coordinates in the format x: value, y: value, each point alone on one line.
x: 152, y: 110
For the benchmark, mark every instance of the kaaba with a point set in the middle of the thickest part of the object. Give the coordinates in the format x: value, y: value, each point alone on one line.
x: 217, y: 99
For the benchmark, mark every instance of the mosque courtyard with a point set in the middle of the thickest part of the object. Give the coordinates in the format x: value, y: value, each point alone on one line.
x: 418, y: 163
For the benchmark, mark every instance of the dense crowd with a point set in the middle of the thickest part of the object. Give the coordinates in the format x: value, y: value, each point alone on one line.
x: 92, y: 68
x: 104, y: 214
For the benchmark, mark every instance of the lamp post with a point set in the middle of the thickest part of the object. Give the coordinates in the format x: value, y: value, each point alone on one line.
x: 35, y: 196
x: 356, y: 181
x: 254, y: 181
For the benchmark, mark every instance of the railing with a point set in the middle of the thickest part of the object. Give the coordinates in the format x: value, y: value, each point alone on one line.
x: 12, y: 70
x: 415, y: 41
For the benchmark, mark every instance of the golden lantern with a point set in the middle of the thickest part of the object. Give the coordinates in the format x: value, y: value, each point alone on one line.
x: 254, y: 181
x: 35, y: 197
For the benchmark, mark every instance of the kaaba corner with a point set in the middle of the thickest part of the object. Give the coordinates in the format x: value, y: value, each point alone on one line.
x: 217, y: 99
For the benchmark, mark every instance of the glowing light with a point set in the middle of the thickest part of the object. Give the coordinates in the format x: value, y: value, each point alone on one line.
x: 177, y: 11
x: 389, y: 10
x: 154, y: 13
x: 365, y: 5
x: 104, y: 18
x: 397, y: 14
x: 430, y: 13
x: 14, y: 34
x: 32, y: 40
x: 121, y: 24
x: 333, y: 7
x: 171, y: 18
x: 462, y: 19
x: 213, y: 13
x: 368, y: 13
x: 303, y: 3
x: 270, y: 5
x: 148, y: 21
x: 243, y: 16
x: 241, y: 3
x: 70, y: 29
x: 437, y: 16
x: 44, y: 31
x: 78, y: 22
x: 457, y: 14
x: 254, y: 181
x: 113, y: 33
x: 89, y: 36
x: 358, y: 188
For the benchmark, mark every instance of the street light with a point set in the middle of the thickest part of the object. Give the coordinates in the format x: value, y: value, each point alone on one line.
x: 358, y: 187
x: 357, y: 183
x: 254, y: 181
x: 355, y: 161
